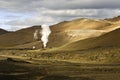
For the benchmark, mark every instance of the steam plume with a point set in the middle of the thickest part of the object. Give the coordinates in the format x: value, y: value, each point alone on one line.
x: 36, y: 35
x: 45, y: 34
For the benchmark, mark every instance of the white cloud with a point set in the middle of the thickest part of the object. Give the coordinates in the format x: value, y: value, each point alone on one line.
x: 48, y: 16
x: 95, y: 13
x: 33, y: 5
x: 70, y: 12
x: 14, y: 28
x: 34, y: 20
x: 25, y: 13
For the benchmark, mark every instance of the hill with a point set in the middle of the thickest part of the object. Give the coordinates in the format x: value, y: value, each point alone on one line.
x: 19, y: 37
x: 82, y: 23
x: 79, y: 29
x: 74, y: 30
x: 115, y: 19
x: 2, y: 31
x: 98, y: 50
x: 62, y: 33
x: 108, y: 39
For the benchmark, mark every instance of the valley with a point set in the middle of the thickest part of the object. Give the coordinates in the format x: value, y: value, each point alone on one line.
x: 81, y: 49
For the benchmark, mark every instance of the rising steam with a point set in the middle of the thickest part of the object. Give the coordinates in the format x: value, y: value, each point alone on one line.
x: 45, y: 34
x: 36, y: 35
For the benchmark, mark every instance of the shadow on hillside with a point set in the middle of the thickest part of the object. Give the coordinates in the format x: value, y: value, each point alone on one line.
x: 12, y: 70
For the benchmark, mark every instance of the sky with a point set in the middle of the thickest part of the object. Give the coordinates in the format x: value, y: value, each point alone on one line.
x: 18, y: 14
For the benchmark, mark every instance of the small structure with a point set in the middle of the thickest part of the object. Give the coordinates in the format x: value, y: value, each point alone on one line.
x: 33, y: 47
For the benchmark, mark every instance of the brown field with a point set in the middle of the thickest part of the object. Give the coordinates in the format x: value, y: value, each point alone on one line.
x: 22, y: 69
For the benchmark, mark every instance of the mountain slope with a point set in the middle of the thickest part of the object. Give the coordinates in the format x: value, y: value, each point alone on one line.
x: 79, y: 29
x: 108, y: 39
x: 115, y: 19
x: 62, y: 33
x: 19, y: 37
x: 82, y: 23
x: 2, y: 31
x: 70, y: 31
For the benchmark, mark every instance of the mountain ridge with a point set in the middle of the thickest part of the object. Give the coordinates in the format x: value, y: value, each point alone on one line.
x: 62, y: 33
x: 2, y: 31
x: 108, y: 39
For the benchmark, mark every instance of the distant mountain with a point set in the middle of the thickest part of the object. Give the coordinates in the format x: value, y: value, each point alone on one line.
x: 114, y: 19
x: 2, y: 31
x: 79, y: 29
x: 82, y: 23
x: 109, y: 39
x: 62, y: 33
x: 19, y: 37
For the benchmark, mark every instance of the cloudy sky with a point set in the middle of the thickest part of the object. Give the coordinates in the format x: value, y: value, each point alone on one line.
x: 17, y: 14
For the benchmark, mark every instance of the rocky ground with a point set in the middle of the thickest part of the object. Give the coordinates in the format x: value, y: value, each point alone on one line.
x: 17, y: 68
